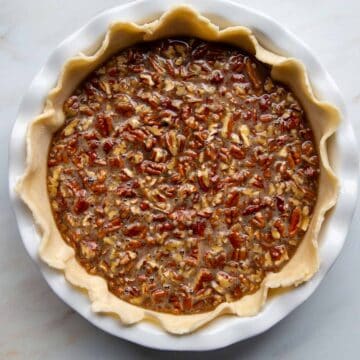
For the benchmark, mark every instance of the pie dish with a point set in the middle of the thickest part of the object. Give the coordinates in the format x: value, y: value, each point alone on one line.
x: 300, y: 213
x: 225, y: 330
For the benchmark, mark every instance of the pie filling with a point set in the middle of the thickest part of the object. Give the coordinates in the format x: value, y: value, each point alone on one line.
x: 183, y: 174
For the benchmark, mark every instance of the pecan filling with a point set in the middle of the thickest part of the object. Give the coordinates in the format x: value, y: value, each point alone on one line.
x: 182, y: 175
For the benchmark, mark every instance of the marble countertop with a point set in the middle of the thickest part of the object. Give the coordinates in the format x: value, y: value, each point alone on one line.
x: 35, y: 324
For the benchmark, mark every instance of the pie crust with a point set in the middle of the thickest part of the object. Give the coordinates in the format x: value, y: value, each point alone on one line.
x: 32, y: 188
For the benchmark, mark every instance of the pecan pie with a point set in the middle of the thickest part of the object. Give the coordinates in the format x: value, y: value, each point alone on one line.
x: 183, y: 175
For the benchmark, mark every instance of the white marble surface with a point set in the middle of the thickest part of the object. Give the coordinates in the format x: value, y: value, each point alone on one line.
x: 34, y: 324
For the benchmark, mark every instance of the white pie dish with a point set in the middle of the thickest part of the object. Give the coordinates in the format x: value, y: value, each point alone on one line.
x: 275, y: 309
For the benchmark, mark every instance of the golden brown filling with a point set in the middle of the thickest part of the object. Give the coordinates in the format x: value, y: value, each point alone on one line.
x: 182, y: 175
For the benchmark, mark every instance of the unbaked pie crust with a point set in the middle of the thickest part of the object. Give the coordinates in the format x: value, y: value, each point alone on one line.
x: 179, y: 21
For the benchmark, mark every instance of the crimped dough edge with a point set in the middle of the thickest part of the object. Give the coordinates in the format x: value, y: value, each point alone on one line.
x: 179, y: 21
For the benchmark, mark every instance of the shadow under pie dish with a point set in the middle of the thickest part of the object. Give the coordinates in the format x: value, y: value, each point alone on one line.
x: 183, y: 177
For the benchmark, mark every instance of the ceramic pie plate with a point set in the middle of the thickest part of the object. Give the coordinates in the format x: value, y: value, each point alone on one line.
x: 224, y: 330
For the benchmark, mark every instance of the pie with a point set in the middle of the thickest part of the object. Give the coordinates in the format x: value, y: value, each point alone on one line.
x: 185, y: 172
x: 182, y: 174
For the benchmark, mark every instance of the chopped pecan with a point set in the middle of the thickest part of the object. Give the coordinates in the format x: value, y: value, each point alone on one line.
x: 203, y: 277
x: 81, y: 205
x: 134, y: 230
x: 152, y: 168
x: 103, y: 124
x: 295, y: 219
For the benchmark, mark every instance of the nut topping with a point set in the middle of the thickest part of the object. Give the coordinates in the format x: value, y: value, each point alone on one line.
x: 183, y: 174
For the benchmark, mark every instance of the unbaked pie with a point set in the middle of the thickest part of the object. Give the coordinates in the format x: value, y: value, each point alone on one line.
x: 185, y: 172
